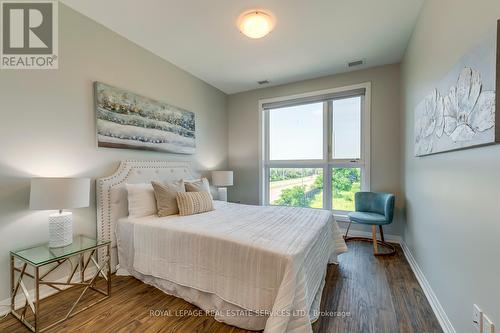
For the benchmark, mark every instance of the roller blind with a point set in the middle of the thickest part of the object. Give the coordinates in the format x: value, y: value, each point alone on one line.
x: 314, y: 99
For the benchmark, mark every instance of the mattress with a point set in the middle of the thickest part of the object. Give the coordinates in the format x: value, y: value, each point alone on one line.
x: 268, y: 262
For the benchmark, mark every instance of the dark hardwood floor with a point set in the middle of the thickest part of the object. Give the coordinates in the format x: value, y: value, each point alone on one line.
x: 376, y: 294
x: 380, y: 293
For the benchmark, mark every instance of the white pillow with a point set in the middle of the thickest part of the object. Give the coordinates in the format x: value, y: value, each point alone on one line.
x: 141, y: 200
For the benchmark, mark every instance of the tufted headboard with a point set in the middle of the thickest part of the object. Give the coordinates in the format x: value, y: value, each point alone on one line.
x: 111, y: 193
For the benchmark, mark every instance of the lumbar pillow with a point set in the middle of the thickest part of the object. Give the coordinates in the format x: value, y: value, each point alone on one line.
x: 194, y: 203
x: 166, y: 195
x: 141, y: 200
x: 198, y: 185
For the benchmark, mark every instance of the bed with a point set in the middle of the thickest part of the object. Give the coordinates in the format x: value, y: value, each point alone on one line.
x: 257, y: 268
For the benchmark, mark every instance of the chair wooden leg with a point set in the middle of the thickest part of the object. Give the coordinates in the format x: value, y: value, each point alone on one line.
x: 374, y: 241
x: 381, y: 233
x: 374, y: 236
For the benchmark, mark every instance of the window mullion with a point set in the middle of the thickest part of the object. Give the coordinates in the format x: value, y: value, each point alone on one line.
x: 327, y: 187
x: 330, y: 130
x: 327, y: 172
x: 341, y: 164
x: 326, y: 131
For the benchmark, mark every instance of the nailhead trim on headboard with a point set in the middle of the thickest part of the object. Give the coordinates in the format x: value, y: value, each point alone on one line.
x: 105, y: 224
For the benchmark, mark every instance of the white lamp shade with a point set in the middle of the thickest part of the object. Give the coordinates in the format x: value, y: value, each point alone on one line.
x: 59, y: 193
x: 222, y: 178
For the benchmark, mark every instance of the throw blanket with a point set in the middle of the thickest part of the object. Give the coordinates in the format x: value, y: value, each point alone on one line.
x: 269, y: 260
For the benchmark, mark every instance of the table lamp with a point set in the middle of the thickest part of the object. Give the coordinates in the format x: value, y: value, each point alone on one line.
x: 59, y: 194
x: 222, y: 179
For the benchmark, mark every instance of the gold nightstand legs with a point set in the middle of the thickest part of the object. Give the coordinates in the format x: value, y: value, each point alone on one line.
x: 82, y: 271
x: 12, y: 282
x: 34, y: 304
x: 37, y: 298
x: 20, y: 285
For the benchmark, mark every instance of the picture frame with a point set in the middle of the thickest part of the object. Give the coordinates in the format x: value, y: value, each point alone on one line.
x: 126, y: 120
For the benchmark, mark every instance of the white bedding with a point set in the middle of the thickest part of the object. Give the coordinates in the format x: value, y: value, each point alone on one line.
x: 269, y: 260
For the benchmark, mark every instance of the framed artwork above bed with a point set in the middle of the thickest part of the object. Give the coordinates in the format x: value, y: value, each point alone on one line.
x: 461, y: 111
x: 130, y: 121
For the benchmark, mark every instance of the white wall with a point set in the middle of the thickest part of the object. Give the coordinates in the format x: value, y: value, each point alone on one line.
x: 47, y: 123
x: 453, y: 223
x: 243, y: 127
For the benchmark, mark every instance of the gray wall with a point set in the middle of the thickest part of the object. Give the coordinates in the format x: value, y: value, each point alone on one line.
x: 243, y: 127
x: 453, y: 224
x: 47, y: 123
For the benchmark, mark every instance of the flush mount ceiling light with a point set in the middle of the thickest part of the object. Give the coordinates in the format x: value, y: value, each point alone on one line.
x: 255, y: 23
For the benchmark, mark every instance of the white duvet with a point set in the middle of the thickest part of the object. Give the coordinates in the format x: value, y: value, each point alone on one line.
x: 269, y: 260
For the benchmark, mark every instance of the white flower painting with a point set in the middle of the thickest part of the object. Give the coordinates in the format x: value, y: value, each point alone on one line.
x: 127, y: 120
x: 460, y: 114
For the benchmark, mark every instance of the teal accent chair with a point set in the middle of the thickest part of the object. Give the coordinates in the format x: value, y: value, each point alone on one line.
x: 375, y: 209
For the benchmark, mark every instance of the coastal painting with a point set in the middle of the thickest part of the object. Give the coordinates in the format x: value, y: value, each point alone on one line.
x: 460, y: 112
x: 130, y: 121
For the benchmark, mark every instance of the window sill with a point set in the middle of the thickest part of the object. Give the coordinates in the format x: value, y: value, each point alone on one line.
x: 341, y: 217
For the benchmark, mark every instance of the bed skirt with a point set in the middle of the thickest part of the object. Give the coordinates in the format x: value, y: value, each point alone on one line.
x: 212, y: 304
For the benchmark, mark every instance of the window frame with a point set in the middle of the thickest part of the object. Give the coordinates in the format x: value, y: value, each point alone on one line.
x: 327, y: 163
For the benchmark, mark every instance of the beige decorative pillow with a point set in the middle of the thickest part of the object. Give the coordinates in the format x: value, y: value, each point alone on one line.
x: 166, y: 197
x: 194, y: 203
x: 141, y: 200
x: 198, y: 185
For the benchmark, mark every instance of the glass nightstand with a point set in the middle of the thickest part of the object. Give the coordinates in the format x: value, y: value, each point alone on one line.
x: 83, y: 249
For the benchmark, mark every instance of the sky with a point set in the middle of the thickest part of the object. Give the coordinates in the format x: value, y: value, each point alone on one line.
x: 297, y: 132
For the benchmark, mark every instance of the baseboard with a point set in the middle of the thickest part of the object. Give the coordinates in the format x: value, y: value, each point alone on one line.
x: 45, y: 291
x: 443, y: 319
x: 359, y: 233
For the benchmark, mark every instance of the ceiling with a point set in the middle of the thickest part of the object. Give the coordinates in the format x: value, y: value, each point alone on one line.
x: 311, y: 38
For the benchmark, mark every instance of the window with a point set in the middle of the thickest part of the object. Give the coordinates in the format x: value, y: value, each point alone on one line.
x: 301, y: 187
x: 345, y: 182
x: 346, y: 128
x: 315, y: 149
x: 300, y: 127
